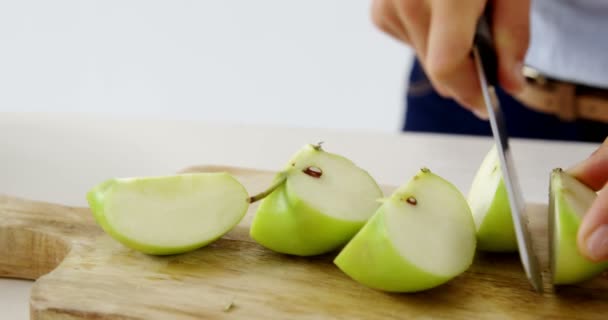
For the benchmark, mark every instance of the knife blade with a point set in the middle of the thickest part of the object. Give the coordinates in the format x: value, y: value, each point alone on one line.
x: 486, y: 64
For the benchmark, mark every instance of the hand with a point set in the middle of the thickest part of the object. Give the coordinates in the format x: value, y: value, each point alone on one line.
x: 441, y: 32
x: 593, y: 232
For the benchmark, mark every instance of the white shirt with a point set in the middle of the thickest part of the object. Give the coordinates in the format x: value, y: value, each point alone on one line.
x: 569, y: 40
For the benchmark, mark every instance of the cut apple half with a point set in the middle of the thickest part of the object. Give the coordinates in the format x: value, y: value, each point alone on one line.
x: 569, y: 201
x: 169, y: 214
x: 422, y: 236
x: 333, y: 185
x: 316, y: 204
x: 489, y: 204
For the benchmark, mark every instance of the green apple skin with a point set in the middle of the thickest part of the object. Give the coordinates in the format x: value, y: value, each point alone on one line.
x: 496, y: 233
x: 372, y: 258
x: 97, y: 196
x: 489, y: 204
x: 287, y: 224
x: 568, y: 265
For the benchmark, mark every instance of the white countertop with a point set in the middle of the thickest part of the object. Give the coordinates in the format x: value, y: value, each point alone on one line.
x: 58, y: 157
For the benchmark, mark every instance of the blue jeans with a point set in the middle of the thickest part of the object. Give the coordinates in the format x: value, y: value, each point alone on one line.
x: 427, y: 111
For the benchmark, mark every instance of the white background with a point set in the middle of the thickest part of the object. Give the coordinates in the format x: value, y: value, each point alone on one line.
x: 284, y: 63
x: 288, y: 63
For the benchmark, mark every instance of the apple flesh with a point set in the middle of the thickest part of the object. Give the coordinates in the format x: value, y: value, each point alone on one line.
x: 422, y: 236
x: 168, y: 214
x: 569, y: 201
x: 489, y: 204
x: 316, y: 204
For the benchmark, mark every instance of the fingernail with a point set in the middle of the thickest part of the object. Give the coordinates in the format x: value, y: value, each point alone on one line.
x: 479, y: 109
x: 597, y: 243
x: 594, y: 152
x: 518, y: 75
x: 481, y: 114
x: 442, y: 92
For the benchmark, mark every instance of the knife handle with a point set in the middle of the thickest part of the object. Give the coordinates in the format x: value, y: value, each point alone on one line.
x: 485, y: 44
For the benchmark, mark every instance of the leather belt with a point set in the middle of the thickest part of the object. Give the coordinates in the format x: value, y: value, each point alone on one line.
x: 568, y: 101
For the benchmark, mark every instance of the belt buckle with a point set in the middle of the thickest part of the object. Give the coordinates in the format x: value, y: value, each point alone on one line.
x: 534, y: 75
x: 561, y: 96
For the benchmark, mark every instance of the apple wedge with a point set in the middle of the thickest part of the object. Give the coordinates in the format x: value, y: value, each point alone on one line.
x: 422, y: 236
x: 569, y: 201
x: 489, y: 204
x: 169, y: 214
x: 315, y: 205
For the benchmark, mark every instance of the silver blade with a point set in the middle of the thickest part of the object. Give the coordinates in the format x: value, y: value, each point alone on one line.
x: 516, y: 201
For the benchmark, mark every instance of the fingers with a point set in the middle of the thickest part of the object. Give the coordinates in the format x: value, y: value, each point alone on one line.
x: 593, y: 233
x: 408, y: 20
x: 511, y: 31
x: 384, y: 16
x: 594, y: 170
x: 414, y: 16
x: 442, y: 32
x: 449, y: 63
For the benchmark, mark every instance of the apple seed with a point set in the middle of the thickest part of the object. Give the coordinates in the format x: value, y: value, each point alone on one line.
x: 411, y: 200
x: 314, y: 172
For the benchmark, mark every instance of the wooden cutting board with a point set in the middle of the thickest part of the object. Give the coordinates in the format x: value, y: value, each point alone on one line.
x: 81, y: 273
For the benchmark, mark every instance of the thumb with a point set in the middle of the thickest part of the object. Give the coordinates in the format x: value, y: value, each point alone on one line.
x: 593, y: 232
x: 594, y: 170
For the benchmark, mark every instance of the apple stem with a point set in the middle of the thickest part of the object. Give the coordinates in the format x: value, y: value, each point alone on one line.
x: 279, y: 181
x: 318, y: 146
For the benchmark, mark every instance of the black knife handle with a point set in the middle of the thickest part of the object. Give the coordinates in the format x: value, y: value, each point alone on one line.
x: 485, y: 44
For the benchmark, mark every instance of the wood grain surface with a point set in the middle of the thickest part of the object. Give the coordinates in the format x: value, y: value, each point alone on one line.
x: 81, y: 273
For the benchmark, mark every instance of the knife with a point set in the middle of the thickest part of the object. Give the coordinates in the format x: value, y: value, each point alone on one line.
x: 486, y: 64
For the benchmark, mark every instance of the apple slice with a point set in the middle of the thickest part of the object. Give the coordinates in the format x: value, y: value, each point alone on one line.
x: 421, y: 237
x: 569, y: 201
x: 316, y: 204
x: 489, y: 204
x: 169, y: 214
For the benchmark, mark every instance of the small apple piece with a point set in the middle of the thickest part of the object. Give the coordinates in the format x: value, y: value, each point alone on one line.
x: 569, y: 201
x: 422, y: 236
x: 315, y: 205
x: 489, y: 204
x: 169, y: 214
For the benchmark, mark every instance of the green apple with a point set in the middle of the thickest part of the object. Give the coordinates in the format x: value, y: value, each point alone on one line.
x: 169, y: 214
x: 489, y: 204
x: 317, y: 202
x: 569, y: 201
x: 422, y: 236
